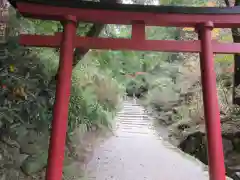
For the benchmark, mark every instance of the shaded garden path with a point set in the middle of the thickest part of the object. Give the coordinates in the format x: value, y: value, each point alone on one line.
x: 136, y: 152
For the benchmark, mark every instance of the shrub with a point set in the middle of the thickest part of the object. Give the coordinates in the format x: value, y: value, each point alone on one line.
x: 95, y: 97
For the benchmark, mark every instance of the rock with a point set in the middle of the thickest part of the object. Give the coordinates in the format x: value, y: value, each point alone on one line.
x: 8, y: 156
x: 21, y: 132
x: 195, y: 144
x: 13, y: 174
x: 233, y: 159
x: 1, y: 124
x: 10, y: 142
x: 1, y: 161
x: 10, y: 174
x: 14, y: 154
x: 238, y: 174
x: 33, y: 143
x: 235, y: 168
x: 236, y: 143
x: 227, y: 146
x: 34, y: 164
x: 230, y: 128
x: 3, y: 177
x: 73, y: 170
x: 233, y: 173
x: 30, y: 148
x: 20, y: 159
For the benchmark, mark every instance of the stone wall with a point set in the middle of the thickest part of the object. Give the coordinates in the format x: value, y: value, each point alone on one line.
x: 24, y: 152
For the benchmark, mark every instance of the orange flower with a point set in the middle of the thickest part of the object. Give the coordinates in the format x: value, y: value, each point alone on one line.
x: 211, y: 4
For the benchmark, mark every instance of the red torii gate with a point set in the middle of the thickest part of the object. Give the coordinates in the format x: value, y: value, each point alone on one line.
x: 70, y: 12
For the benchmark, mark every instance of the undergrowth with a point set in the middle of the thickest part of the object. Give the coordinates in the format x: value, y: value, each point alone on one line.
x: 95, y: 95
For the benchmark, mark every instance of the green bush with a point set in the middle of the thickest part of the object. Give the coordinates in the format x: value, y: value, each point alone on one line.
x: 95, y: 95
x: 137, y: 86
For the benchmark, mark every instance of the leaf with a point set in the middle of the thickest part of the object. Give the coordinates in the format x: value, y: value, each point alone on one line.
x: 11, y: 68
x: 215, y: 32
x: 188, y: 29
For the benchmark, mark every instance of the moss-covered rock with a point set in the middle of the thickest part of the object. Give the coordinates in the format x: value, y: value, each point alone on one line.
x: 35, y: 163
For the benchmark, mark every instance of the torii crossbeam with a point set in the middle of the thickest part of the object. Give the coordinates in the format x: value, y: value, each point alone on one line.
x: 71, y: 12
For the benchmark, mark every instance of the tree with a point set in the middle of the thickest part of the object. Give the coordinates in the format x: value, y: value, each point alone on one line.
x: 236, y: 39
x: 94, y: 31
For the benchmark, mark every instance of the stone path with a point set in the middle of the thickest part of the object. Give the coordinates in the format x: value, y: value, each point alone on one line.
x: 136, y: 152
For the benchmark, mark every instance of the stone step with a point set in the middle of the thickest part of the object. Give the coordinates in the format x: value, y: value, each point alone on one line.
x: 133, y: 117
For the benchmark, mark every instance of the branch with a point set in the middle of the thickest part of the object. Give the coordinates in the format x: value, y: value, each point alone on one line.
x: 80, y: 52
x: 95, y: 30
x: 236, y: 39
x: 227, y: 3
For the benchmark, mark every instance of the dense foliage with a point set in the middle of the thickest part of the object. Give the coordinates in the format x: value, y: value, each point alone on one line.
x: 102, y: 76
x: 95, y: 94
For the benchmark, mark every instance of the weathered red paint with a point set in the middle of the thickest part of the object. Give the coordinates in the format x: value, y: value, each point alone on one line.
x: 138, y: 32
x: 122, y: 17
x: 128, y: 44
x: 60, y: 113
x: 211, y: 108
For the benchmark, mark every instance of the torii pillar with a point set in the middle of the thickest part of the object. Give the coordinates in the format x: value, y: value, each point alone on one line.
x: 210, y: 102
x: 60, y: 112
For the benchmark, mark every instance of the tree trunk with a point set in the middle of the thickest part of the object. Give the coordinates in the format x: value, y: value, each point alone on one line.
x: 236, y: 39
